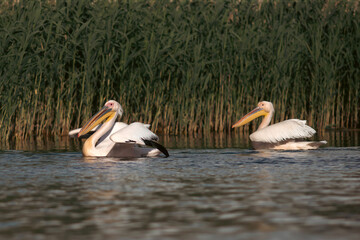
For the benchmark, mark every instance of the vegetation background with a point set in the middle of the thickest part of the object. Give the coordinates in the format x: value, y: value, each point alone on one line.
x: 183, y: 66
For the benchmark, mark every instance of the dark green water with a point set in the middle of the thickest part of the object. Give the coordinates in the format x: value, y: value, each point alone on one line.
x: 209, y: 188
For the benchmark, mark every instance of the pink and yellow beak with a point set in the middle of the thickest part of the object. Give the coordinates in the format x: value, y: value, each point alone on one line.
x: 105, y: 113
x: 257, y: 112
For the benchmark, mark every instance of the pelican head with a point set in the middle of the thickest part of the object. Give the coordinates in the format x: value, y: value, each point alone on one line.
x: 115, y: 106
x: 264, y: 108
x: 110, y: 111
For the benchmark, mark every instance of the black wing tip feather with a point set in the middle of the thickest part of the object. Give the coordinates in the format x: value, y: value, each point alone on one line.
x: 154, y: 144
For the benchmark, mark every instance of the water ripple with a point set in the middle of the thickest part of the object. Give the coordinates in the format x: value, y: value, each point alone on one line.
x: 195, y: 193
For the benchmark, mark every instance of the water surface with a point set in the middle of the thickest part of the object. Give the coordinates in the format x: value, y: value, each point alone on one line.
x: 209, y: 188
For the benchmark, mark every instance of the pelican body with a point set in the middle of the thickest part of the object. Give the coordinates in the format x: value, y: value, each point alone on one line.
x: 108, y: 138
x: 285, y: 135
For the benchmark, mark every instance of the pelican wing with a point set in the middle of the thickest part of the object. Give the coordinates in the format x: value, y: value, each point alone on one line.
x: 289, y: 129
x: 135, y: 132
x: 106, y: 137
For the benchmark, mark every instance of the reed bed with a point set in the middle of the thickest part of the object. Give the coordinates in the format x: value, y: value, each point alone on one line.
x: 183, y: 66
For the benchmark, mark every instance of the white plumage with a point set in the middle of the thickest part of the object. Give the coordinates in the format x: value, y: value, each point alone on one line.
x: 286, y: 130
x: 135, y: 132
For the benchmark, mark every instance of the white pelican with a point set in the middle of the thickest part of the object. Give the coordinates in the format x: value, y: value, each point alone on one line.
x: 117, y: 139
x: 284, y: 135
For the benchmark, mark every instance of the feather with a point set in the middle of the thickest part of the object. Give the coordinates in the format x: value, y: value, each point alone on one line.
x: 289, y: 129
x: 134, y: 132
x: 157, y: 145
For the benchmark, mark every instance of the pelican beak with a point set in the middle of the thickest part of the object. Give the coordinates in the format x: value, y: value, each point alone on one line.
x: 257, y: 112
x: 104, y: 114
